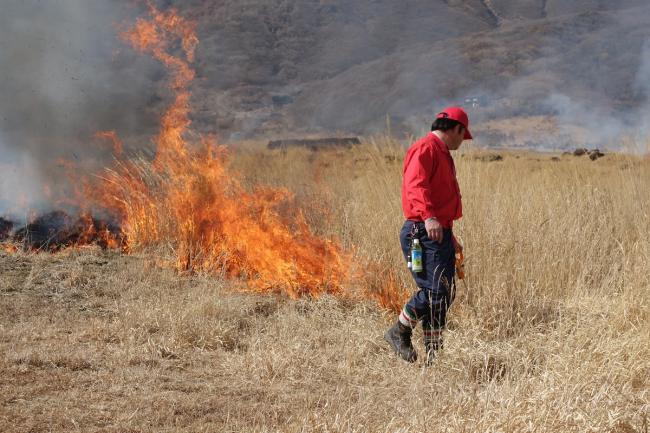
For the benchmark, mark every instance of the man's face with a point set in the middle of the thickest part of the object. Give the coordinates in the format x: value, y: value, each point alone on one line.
x: 456, y: 135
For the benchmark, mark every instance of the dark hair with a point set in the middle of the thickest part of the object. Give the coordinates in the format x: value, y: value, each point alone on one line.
x: 443, y: 124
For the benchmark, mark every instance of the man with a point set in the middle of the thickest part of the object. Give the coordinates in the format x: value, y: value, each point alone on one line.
x: 431, y: 201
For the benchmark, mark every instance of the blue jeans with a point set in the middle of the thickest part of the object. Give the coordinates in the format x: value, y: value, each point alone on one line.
x: 435, y: 283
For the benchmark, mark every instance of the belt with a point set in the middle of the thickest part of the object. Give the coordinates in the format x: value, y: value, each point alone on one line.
x: 445, y: 224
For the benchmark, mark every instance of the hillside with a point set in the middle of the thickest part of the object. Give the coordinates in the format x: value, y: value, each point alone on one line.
x: 274, y: 67
x: 286, y: 67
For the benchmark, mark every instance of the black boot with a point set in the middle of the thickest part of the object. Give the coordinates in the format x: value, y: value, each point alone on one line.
x: 431, y: 348
x: 399, y: 338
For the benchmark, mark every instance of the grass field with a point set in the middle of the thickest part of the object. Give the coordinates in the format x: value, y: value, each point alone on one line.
x: 550, y: 333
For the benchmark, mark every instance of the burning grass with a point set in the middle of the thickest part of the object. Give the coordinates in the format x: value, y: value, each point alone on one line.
x: 188, y: 200
x: 58, y: 230
x: 191, y: 199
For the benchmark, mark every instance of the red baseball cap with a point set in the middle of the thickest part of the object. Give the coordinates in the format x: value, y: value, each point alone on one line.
x: 459, y: 115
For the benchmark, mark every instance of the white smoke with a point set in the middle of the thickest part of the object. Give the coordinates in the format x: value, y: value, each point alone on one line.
x: 21, y: 185
x: 64, y: 75
x: 642, y: 88
x: 601, y: 126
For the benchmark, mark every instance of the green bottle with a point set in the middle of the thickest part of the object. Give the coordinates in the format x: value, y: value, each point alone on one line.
x: 416, y: 256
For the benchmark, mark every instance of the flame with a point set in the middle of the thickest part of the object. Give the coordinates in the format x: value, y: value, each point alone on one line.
x: 190, y: 200
x: 8, y: 248
x: 112, y: 137
x: 384, y: 286
x: 91, y: 231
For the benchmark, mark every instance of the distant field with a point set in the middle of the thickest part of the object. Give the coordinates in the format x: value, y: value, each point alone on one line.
x: 549, y: 333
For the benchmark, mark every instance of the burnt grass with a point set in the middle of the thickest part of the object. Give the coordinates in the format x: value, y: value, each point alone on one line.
x: 55, y: 230
x: 5, y: 228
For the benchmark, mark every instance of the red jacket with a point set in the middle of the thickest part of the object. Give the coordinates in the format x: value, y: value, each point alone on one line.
x: 429, y: 186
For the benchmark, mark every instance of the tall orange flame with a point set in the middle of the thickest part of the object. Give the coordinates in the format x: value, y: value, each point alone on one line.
x: 190, y: 199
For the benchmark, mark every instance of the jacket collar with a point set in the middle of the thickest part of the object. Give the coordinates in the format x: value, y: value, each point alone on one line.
x: 439, y: 143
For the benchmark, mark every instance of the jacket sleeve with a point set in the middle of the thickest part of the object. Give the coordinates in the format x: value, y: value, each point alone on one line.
x: 417, y: 180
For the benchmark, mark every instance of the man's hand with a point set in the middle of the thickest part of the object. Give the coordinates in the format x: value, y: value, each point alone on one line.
x: 434, y: 229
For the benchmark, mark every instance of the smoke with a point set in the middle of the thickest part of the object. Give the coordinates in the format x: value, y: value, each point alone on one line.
x: 584, y: 79
x: 642, y: 89
x: 642, y: 80
x: 65, y: 75
x: 21, y: 185
x: 595, y: 122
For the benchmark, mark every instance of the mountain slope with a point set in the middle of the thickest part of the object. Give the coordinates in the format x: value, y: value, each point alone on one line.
x: 310, y: 66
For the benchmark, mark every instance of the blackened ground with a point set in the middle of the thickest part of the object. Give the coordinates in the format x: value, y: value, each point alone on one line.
x: 58, y: 229
x: 5, y: 228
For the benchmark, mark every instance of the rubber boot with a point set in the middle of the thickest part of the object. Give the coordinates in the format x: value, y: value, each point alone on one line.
x: 399, y: 338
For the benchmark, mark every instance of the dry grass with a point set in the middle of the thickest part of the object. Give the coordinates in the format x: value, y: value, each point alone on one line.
x: 552, y: 332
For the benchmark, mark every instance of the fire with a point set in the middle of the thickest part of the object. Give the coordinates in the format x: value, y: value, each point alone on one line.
x: 190, y: 200
x: 58, y: 230
x: 384, y: 286
x: 188, y: 204
x: 8, y: 248
x: 115, y: 141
